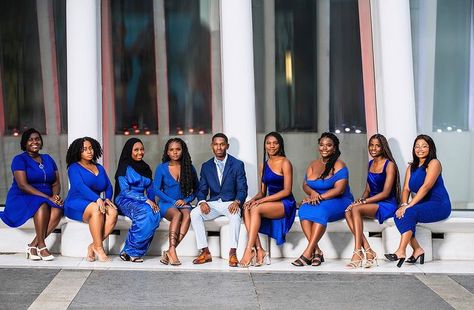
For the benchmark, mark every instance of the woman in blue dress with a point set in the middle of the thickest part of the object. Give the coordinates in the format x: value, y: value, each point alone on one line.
x: 379, y: 200
x: 175, y: 185
x: 272, y: 210
x: 34, y: 194
x: 88, y: 180
x: 430, y: 200
x: 326, y: 184
x: 135, y: 199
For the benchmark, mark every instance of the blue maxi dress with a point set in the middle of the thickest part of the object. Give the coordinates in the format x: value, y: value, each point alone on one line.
x: 20, y: 206
x: 277, y: 228
x: 168, y: 189
x: 376, y: 181
x: 329, y: 210
x: 132, y: 203
x: 86, y: 187
x: 434, y: 207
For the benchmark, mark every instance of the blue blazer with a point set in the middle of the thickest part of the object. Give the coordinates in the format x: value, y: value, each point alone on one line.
x: 234, y: 182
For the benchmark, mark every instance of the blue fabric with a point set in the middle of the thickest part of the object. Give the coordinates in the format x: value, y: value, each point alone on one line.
x: 277, y: 228
x: 132, y: 203
x: 86, y: 187
x: 329, y: 210
x: 168, y: 189
x: 434, y: 207
x: 20, y: 206
x: 234, y: 182
x: 376, y: 181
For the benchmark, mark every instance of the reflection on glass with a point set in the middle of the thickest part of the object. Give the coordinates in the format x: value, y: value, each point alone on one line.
x: 451, y: 88
x: 59, y: 15
x: 134, y: 66
x: 20, y: 66
x: 295, y: 65
x: 189, y: 66
x: 347, y: 110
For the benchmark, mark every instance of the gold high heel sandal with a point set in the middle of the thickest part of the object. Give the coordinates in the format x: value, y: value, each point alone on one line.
x: 251, y: 261
x: 266, y: 258
x: 353, y: 264
x: 370, y: 262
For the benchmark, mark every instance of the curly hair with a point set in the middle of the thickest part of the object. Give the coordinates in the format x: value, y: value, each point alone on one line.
x: 26, y: 135
x: 333, y: 158
x: 74, y: 151
x: 387, y: 153
x: 188, y: 176
x: 431, y: 155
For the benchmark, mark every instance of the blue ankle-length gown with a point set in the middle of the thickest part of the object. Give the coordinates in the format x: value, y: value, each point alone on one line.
x: 434, y: 207
x: 132, y: 203
x: 277, y: 228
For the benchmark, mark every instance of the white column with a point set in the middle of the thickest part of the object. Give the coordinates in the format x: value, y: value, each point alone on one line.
x: 83, y: 69
x: 396, y: 112
x: 238, y: 90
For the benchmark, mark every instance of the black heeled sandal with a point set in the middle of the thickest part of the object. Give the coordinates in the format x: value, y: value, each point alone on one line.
x: 301, y: 261
x: 413, y: 260
x: 394, y: 257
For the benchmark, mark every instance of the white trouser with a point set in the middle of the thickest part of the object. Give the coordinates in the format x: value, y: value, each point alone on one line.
x: 218, y: 208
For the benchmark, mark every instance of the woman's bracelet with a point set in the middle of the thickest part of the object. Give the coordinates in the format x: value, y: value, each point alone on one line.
x: 362, y: 200
x: 404, y: 204
x: 320, y: 197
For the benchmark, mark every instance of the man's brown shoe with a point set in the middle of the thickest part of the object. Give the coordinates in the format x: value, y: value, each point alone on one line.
x: 204, y: 257
x: 233, y: 261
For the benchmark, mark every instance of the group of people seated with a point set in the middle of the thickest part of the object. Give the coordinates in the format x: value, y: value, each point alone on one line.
x: 221, y: 190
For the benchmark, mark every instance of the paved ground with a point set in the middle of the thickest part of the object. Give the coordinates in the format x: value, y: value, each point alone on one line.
x: 40, y: 288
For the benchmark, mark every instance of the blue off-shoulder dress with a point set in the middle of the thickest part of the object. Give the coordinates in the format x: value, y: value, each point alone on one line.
x: 20, y: 206
x: 376, y: 181
x: 434, y: 207
x: 168, y: 189
x: 277, y: 228
x: 329, y: 210
x: 132, y: 203
x: 86, y: 187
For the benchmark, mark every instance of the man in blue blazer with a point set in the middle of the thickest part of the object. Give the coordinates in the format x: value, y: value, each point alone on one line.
x: 222, y: 190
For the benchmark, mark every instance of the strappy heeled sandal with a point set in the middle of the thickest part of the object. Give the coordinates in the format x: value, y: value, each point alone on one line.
x: 353, y: 264
x: 266, y: 258
x: 302, y: 261
x: 370, y: 262
x: 253, y: 257
x: 173, y: 236
x: 30, y: 255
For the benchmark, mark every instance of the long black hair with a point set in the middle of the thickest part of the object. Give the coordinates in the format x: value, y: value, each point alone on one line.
x: 334, y: 156
x: 141, y: 167
x: 431, y: 154
x: 281, y: 150
x: 74, y: 151
x: 188, y: 177
x: 387, y: 153
x: 26, y: 135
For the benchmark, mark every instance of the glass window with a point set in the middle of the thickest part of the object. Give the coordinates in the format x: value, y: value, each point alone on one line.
x: 134, y: 66
x: 347, y: 110
x: 189, y: 66
x: 452, y: 55
x: 295, y: 65
x: 21, y: 66
x: 59, y: 13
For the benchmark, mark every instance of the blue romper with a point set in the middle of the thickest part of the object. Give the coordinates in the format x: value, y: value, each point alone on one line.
x: 329, y: 210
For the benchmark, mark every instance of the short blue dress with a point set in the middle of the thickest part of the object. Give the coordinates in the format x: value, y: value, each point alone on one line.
x: 376, y: 181
x: 20, y: 206
x: 329, y: 210
x: 277, y: 228
x: 169, y: 190
x: 434, y: 207
x: 132, y: 203
x: 86, y: 187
